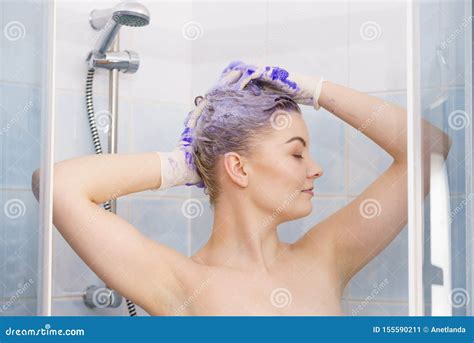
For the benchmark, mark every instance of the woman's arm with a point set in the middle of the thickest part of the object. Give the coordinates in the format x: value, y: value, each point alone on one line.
x: 104, y: 177
x: 358, y: 232
x: 141, y: 269
x: 381, y: 121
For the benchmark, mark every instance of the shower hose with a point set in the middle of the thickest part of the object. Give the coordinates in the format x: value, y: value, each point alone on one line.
x: 98, y: 149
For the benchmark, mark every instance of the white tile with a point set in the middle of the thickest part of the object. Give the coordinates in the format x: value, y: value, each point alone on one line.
x: 75, y: 38
x: 229, y: 31
x: 309, y: 37
x: 377, y: 39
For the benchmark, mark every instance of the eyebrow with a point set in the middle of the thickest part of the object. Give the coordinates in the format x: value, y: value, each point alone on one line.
x: 297, y: 138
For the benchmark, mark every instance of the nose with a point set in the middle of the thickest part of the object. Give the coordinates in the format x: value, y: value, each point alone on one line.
x: 315, y: 170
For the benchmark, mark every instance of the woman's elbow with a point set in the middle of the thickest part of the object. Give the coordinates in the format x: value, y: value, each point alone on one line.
x: 35, y: 183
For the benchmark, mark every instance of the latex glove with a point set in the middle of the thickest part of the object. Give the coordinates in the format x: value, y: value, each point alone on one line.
x: 177, y: 166
x: 303, y: 89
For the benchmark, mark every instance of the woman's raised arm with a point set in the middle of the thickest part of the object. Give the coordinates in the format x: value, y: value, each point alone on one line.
x: 141, y: 269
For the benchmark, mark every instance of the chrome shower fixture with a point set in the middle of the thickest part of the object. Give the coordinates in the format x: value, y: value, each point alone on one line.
x: 109, y: 21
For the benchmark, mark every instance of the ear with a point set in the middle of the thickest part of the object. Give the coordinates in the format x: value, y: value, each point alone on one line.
x: 234, y: 165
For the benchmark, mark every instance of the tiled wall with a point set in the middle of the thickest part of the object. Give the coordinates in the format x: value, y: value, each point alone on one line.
x: 358, y: 44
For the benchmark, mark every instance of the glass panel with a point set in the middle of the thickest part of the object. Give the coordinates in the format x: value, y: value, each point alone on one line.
x: 23, y: 33
x: 445, y: 27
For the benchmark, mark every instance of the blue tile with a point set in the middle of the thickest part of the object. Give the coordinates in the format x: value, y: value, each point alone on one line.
x: 326, y: 148
x: 19, y: 135
x: 385, y: 277
x: 23, y: 45
x: 201, y: 225
x: 429, y: 31
x: 454, y: 22
x: 455, y: 125
x: 163, y: 220
x: 19, y: 243
x: 19, y: 307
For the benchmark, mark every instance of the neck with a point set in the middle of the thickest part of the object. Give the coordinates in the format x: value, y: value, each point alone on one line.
x: 243, y: 237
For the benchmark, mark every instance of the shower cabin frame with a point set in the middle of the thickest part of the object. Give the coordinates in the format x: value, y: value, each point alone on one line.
x: 415, y: 195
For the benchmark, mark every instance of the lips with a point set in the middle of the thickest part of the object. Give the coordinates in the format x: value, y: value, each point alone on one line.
x: 308, y: 189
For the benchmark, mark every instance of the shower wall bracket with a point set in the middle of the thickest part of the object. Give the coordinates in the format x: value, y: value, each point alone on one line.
x: 126, y: 61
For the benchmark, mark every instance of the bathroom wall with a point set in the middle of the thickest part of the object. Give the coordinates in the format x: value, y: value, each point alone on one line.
x: 187, y: 44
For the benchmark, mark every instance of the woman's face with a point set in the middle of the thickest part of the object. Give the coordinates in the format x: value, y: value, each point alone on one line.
x: 282, y: 169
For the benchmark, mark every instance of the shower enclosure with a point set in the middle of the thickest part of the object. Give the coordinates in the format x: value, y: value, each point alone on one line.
x: 417, y: 54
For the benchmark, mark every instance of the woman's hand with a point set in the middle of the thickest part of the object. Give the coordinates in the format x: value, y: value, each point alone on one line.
x: 302, y: 89
x: 178, y: 167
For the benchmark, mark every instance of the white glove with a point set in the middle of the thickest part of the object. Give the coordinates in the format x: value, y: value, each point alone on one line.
x: 177, y: 166
x: 302, y: 89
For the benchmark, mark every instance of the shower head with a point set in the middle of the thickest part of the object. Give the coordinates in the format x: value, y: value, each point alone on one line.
x: 110, y: 20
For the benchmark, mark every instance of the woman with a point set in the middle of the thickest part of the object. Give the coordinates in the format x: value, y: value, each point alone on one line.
x: 258, y: 173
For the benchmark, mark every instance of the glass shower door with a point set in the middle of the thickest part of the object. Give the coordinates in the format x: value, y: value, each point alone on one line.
x: 445, y: 90
x: 23, y: 74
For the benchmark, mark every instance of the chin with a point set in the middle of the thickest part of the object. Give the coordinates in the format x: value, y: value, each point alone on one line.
x: 302, y: 209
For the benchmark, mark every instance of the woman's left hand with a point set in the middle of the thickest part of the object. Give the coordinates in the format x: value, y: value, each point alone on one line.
x: 302, y: 89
